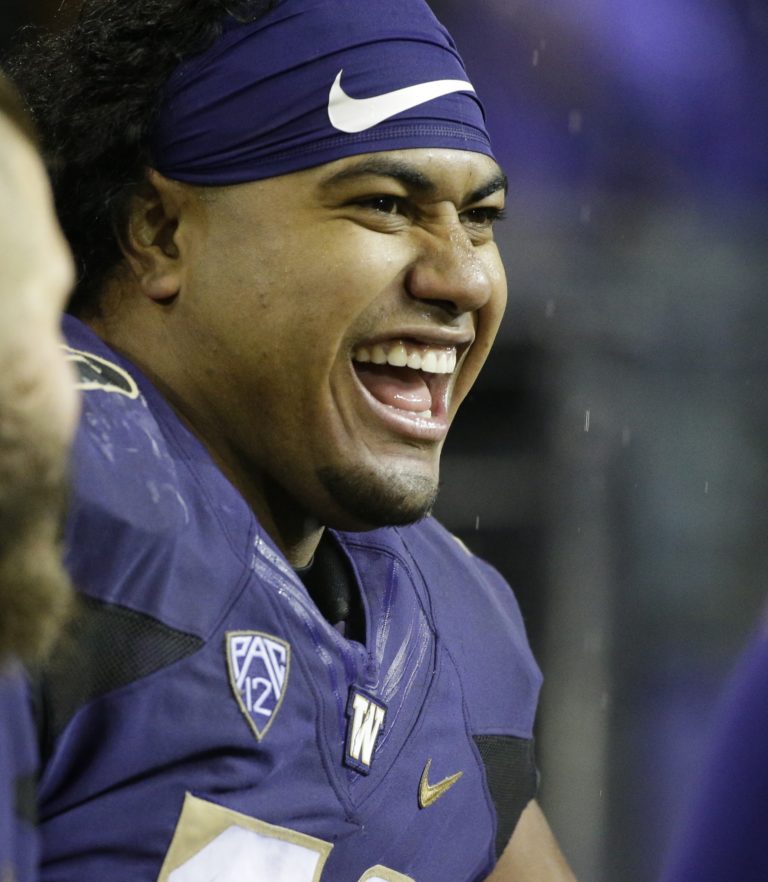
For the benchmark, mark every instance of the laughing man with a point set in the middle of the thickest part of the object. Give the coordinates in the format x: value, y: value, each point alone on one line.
x: 285, y: 670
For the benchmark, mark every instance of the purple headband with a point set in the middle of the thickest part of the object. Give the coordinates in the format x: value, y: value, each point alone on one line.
x: 313, y: 81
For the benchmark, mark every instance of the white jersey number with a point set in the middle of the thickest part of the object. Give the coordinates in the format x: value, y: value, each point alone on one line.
x: 216, y: 844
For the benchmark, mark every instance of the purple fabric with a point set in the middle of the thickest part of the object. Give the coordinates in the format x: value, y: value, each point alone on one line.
x: 724, y: 837
x: 19, y: 845
x: 256, y: 104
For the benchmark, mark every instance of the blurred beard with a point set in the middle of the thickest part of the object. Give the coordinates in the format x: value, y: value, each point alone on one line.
x: 35, y: 591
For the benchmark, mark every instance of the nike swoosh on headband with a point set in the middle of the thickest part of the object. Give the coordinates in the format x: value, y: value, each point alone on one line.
x: 353, y: 115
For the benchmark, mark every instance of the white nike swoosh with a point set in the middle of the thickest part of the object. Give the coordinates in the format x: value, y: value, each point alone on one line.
x: 352, y: 115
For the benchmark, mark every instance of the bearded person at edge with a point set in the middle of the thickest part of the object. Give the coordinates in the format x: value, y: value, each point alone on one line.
x: 38, y: 415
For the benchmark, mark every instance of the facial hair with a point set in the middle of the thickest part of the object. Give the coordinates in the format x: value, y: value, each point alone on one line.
x: 35, y: 590
x: 375, y: 501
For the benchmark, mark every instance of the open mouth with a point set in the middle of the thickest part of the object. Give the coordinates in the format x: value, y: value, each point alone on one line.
x: 408, y: 377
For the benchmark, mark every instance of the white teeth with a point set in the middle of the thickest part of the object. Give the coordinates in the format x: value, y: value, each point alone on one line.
x: 378, y: 355
x: 399, y: 354
x: 429, y: 362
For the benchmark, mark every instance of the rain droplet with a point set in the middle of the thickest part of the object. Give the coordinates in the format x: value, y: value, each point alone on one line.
x: 575, y: 121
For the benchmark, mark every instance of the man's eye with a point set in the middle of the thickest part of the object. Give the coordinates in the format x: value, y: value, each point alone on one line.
x: 483, y: 216
x: 383, y: 204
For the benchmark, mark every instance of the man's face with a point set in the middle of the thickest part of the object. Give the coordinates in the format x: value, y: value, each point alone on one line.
x: 38, y: 403
x: 296, y: 288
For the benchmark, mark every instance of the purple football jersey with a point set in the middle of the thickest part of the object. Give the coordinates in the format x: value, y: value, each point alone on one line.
x: 19, y: 845
x: 207, y: 722
x: 724, y: 838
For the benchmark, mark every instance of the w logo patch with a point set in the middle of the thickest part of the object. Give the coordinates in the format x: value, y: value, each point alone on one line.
x: 258, y: 673
x: 366, y: 723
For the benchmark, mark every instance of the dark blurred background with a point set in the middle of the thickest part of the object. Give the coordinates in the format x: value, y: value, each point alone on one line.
x: 613, y: 460
x: 614, y: 463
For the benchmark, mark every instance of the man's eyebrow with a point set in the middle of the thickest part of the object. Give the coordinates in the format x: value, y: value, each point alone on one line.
x: 496, y: 183
x: 409, y: 176
x: 389, y: 168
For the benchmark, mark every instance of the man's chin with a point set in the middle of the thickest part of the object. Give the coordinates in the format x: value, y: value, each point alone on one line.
x: 370, y: 499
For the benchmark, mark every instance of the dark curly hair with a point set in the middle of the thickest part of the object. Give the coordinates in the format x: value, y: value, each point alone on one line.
x: 94, y: 89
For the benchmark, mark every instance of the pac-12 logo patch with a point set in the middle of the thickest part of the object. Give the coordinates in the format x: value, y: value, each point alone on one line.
x: 259, y: 665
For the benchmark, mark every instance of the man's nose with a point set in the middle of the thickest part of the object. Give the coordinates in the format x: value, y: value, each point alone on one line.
x: 451, y: 272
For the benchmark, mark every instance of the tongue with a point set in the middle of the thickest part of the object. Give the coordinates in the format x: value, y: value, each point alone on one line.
x: 403, y: 388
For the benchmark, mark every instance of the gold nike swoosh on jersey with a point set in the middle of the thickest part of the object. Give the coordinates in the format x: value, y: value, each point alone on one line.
x: 429, y: 793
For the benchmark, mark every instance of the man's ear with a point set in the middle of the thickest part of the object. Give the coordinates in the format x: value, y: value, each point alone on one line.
x: 149, y: 239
